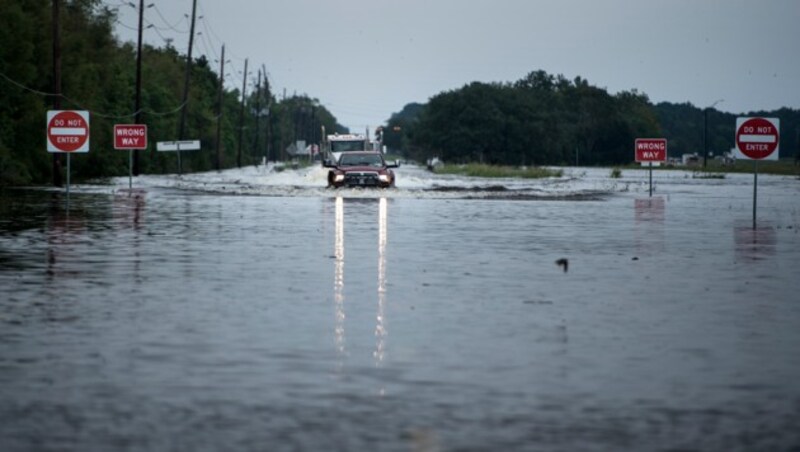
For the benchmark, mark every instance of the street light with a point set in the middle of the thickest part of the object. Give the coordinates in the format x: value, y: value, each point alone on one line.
x: 705, y: 130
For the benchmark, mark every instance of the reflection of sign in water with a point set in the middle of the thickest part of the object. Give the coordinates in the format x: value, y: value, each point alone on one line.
x: 649, y: 222
x: 754, y: 243
x: 65, y: 232
x: 649, y: 209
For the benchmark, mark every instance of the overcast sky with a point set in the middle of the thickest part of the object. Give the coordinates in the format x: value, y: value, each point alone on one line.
x: 365, y: 59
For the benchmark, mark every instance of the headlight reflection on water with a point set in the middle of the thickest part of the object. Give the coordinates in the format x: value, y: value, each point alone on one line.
x: 338, y: 277
x: 380, y: 326
x: 338, y: 286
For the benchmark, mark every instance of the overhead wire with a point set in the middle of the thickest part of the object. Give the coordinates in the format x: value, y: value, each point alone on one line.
x: 208, y: 42
x: 83, y: 107
x: 119, y: 22
x: 174, y: 26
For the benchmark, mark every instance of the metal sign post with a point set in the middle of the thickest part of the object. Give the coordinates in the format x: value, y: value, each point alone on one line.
x: 69, y: 170
x: 755, y: 190
x: 757, y: 139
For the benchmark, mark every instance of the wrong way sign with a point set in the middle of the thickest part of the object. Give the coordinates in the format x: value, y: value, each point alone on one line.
x: 130, y: 136
x: 68, y: 131
x: 758, y: 138
x: 651, y: 149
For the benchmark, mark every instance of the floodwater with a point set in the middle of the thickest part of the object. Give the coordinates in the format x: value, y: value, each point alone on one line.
x: 257, y: 311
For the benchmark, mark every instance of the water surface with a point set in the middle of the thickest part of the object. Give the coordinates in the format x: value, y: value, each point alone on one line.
x: 181, y: 319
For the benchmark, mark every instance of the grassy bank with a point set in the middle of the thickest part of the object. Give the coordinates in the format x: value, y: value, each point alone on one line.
x: 784, y: 168
x: 483, y: 170
x: 781, y: 167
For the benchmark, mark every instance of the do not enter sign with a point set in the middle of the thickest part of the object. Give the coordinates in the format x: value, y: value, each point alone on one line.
x: 758, y: 138
x: 67, y: 131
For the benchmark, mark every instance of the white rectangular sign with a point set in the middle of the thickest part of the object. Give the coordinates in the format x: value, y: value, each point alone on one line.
x: 185, y: 145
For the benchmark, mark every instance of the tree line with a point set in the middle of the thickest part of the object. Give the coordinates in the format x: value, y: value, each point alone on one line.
x: 545, y: 119
x: 98, y: 74
x: 541, y: 119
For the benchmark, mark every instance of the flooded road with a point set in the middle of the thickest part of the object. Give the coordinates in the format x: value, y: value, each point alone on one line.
x: 290, y: 317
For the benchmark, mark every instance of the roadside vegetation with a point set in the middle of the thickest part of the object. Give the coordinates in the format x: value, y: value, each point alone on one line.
x: 784, y: 167
x: 511, y: 128
x: 484, y: 170
x: 98, y: 75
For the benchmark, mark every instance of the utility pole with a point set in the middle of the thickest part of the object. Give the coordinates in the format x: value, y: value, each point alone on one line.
x: 187, y: 76
x: 258, y: 112
x: 220, y: 108
x: 269, y: 118
x: 241, y: 116
x: 705, y: 136
x: 797, y: 145
x: 138, y: 102
x: 705, y: 130
x: 57, y: 180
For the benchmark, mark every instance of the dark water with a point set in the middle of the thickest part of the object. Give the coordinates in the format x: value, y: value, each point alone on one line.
x: 174, y: 320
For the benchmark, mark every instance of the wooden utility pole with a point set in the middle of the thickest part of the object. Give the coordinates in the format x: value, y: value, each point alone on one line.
x: 138, y: 102
x: 220, y: 108
x: 269, y: 118
x: 187, y: 77
x: 241, y: 116
x: 258, y: 113
x: 57, y: 179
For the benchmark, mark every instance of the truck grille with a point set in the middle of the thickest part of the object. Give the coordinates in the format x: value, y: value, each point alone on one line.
x: 361, y: 179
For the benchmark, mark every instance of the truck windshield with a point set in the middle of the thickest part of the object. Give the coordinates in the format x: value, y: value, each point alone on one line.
x: 361, y: 160
x: 347, y: 146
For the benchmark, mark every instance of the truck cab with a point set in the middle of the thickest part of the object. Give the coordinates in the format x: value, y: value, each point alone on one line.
x: 337, y: 144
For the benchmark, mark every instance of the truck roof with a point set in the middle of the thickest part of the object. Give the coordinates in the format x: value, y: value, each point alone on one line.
x: 347, y: 137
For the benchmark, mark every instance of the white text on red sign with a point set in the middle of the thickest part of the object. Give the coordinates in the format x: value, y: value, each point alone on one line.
x: 67, y: 131
x: 757, y: 138
x: 651, y: 150
x: 130, y: 136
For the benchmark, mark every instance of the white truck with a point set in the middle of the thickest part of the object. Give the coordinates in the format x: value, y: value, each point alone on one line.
x: 336, y: 144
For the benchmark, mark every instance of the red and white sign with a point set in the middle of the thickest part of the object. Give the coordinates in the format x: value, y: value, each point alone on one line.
x: 651, y: 149
x: 130, y: 136
x: 68, y: 131
x: 758, y: 138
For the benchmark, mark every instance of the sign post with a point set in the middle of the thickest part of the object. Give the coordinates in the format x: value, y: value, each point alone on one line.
x: 68, y: 132
x: 651, y: 150
x: 757, y: 139
x: 130, y: 137
x: 178, y: 146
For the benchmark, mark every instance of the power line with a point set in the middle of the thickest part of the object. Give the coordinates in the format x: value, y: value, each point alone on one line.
x: 126, y: 26
x: 82, y: 107
x: 166, y: 22
x: 209, y: 28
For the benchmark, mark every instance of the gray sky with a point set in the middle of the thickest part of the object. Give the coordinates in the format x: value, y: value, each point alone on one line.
x: 365, y: 59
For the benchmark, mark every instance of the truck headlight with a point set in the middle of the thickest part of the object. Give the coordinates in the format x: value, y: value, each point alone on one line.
x: 384, y: 178
x: 338, y: 177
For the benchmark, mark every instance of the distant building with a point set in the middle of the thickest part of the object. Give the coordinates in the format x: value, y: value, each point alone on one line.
x: 690, y: 159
